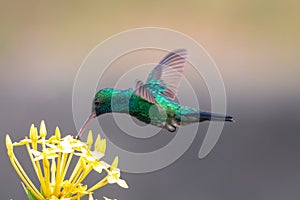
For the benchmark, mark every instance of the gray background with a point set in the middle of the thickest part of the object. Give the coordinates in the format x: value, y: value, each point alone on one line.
x: 255, y: 45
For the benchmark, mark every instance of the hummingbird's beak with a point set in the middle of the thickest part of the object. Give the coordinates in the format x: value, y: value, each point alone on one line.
x: 86, y: 123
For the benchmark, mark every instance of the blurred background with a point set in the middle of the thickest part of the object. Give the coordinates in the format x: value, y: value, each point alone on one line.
x: 255, y: 44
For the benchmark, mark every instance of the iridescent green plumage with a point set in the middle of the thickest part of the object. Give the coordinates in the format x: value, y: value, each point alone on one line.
x: 153, y: 102
x: 166, y: 113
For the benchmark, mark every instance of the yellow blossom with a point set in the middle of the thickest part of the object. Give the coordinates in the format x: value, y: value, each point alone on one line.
x: 51, y: 159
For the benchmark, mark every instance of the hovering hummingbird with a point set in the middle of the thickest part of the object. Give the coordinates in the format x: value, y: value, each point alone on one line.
x: 153, y: 102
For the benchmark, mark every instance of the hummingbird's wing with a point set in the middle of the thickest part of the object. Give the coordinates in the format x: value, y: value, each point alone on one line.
x: 164, y: 78
x: 142, y: 91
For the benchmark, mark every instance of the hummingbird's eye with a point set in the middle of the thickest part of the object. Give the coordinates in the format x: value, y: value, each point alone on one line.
x: 97, y: 102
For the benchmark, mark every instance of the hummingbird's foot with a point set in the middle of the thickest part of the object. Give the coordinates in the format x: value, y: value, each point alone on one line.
x: 77, y: 137
x: 170, y: 127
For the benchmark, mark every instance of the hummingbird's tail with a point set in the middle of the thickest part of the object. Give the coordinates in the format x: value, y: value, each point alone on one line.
x: 206, y: 116
x: 190, y: 115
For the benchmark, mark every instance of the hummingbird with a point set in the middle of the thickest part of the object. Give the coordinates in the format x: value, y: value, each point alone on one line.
x: 153, y: 102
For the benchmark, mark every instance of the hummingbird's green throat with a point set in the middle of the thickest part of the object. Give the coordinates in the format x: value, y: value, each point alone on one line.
x: 153, y: 102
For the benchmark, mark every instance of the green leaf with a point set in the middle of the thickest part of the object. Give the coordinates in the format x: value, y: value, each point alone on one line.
x: 29, y: 193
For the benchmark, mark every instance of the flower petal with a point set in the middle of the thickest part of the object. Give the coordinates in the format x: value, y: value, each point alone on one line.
x: 112, y: 180
x: 122, y: 183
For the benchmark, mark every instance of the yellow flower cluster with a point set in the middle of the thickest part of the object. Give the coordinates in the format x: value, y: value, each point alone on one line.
x: 51, y: 159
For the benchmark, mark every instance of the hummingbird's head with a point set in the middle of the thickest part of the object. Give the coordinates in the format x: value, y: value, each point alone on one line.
x: 102, y: 102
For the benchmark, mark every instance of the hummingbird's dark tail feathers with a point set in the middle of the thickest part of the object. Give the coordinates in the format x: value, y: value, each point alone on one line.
x: 206, y: 116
